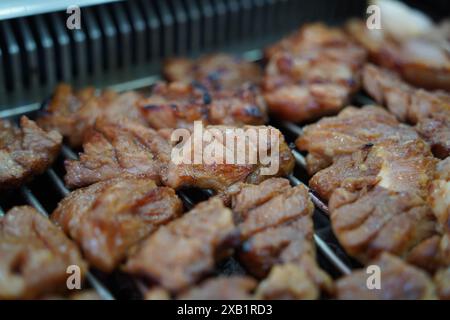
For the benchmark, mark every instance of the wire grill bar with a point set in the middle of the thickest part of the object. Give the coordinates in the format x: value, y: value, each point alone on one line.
x: 323, y: 247
x: 292, y: 127
x: 58, y: 182
x: 33, y: 201
x: 334, y: 259
x: 317, y: 202
x: 68, y: 153
x: 299, y: 158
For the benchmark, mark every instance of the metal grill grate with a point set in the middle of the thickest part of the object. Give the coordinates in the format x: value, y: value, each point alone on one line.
x: 122, y: 43
x: 327, y: 246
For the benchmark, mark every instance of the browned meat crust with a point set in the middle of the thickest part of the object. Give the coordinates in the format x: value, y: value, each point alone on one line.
x: 222, y: 288
x: 312, y: 73
x: 215, y: 71
x: 178, y: 105
x: 397, y: 167
x: 399, y: 281
x: 420, y: 61
x: 221, y: 176
x: 108, y: 218
x: 177, y: 255
x: 428, y: 110
x: 115, y: 149
x: 34, y: 255
x: 368, y: 223
x: 352, y: 130
x: 275, y: 240
x: 25, y: 151
x: 73, y: 113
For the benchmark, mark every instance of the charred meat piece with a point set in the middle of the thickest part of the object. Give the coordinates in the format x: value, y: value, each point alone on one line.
x: 351, y: 130
x: 275, y: 223
x: 367, y: 223
x: 428, y: 110
x: 177, y: 255
x: 312, y: 73
x: 108, y: 218
x: 25, y: 151
x: 222, y: 288
x: 420, y: 60
x: 216, y: 71
x: 178, y: 105
x: 73, y: 113
x: 376, y: 178
x: 399, y: 281
x: 250, y: 154
x: 115, y: 149
x: 34, y: 255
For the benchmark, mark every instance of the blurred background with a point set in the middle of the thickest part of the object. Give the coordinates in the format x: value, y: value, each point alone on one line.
x: 121, y: 43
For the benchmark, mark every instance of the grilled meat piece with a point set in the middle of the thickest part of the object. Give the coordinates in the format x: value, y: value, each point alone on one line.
x: 399, y: 281
x: 318, y: 36
x: 34, y: 255
x: 312, y: 73
x: 285, y: 236
x: 216, y: 71
x: 179, y: 254
x: 108, y: 218
x: 25, y: 151
x: 222, y: 288
x: 397, y: 167
x: 377, y: 181
x: 178, y: 105
x: 73, y: 113
x: 367, y: 223
x: 421, y: 60
x: 115, y: 149
x: 264, y: 159
x: 428, y: 110
x: 351, y: 130
x: 287, y: 282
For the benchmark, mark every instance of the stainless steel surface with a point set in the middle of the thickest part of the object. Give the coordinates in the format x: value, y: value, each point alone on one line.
x: 21, y: 8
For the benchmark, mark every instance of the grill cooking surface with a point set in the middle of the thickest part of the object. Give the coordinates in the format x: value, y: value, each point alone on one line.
x: 45, y: 191
x: 37, y: 52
